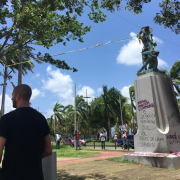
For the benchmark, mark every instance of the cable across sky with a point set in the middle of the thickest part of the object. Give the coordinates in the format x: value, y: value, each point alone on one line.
x: 97, y: 45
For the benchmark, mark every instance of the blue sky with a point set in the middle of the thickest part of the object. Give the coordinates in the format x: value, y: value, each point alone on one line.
x: 115, y: 64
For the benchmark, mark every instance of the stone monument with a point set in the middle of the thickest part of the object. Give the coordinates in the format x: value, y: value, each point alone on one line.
x: 157, y: 142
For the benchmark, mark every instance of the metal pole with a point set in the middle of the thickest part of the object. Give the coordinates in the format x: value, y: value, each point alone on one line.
x: 3, y: 93
x: 74, y: 115
x: 120, y: 109
x: 87, y: 114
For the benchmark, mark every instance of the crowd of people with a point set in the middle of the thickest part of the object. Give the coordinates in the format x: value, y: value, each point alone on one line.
x: 121, y: 135
x: 60, y: 139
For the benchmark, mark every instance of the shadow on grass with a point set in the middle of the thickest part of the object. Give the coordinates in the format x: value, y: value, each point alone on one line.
x: 64, y: 175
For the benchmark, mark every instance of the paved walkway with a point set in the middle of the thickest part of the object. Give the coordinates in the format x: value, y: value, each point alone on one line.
x: 100, y: 156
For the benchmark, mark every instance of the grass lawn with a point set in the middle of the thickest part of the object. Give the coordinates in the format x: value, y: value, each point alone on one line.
x: 118, y: 159
x: 121, y: 160
x: 67, y: 151
x: 99, y: 143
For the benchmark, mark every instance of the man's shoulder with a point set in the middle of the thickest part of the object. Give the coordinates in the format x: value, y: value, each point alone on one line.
x: 34, y: 112
x: 9, y: 115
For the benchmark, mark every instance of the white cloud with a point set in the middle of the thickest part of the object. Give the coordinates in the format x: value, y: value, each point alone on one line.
x: 36, y: 93
x: 158, y: 40
x: 125, y: 92
x: 49, y: 113
x: 60, y: 84
x: 161, y: 63
x: 130, y: 54
x: 99, y: 90
x: 132, y: 34
x: 8, y: 103
x: 90, y: 92
x: 37, y: 75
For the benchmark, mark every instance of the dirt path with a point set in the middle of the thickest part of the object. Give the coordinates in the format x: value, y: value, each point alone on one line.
x: 110, y: 170
x: 101, y: 155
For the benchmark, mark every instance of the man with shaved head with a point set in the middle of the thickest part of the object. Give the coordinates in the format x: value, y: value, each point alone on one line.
x: 24, y: 133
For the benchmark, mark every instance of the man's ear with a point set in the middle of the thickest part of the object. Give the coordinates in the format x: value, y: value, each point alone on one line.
x: 18, y: 97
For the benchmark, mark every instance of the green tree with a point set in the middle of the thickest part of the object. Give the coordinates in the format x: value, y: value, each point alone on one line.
x: 174, y: 75
x: 132, y: 98
x: 43, y: 23
x: 110, y: 107
x: 5, y: 61
x: 105, y: 110
x: 57, y: 116
x: 81, y: 112
x: 116, y: 129
x: 69, y: 119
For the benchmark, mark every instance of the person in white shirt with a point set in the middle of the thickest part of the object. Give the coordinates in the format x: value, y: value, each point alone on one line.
x: 115, y: 137
x: 102, y: 136
x: 58, y: 139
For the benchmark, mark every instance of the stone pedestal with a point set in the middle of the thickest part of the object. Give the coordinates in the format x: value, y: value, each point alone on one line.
x: 158, y: 121
x: 49, y: 166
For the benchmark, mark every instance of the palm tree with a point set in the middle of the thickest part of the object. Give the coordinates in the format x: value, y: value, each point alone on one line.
x: 58, y: 111
x: 111, y: 105
x: 12, y: 62
x: 174, y: 75
x: 68, y: 117
x: 105, y: 110
x: 81, y: 109
x: 132, y: 97
x: 24, y: 55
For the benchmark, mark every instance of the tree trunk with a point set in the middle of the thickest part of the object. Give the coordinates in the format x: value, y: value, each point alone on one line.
x: 54, y: 126
x: 66, y: 128
x: 4, y: 93
x: 107, y: 134
x: 20, y: 68
x: 77, y: 124
x: 109, y: 128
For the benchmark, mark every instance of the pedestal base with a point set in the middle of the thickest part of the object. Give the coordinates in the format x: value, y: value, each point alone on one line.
x: 161, y: 160
x: 49, y: 166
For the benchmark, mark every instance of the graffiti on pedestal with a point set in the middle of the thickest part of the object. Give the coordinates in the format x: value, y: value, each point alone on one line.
x: 144, y: 104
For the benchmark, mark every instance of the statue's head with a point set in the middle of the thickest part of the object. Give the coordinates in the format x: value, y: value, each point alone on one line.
x: 146, y: 30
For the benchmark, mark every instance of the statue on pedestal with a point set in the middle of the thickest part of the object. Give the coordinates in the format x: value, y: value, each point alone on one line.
x: 149, y: 54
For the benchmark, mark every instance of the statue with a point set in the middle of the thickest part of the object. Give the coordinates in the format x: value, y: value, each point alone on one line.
x: 149, y: 54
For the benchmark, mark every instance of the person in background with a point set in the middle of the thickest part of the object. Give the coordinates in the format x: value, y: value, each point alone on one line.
x: 98, y: 135
x: 102, y: 136
x: 77, y: 139
x: 124, y: 136
x: 134, y: 131
x: 115, y: 137
x: 58, y: 139
x: 62, y: 140
x: 119, y: 135
x: 25, y: 135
